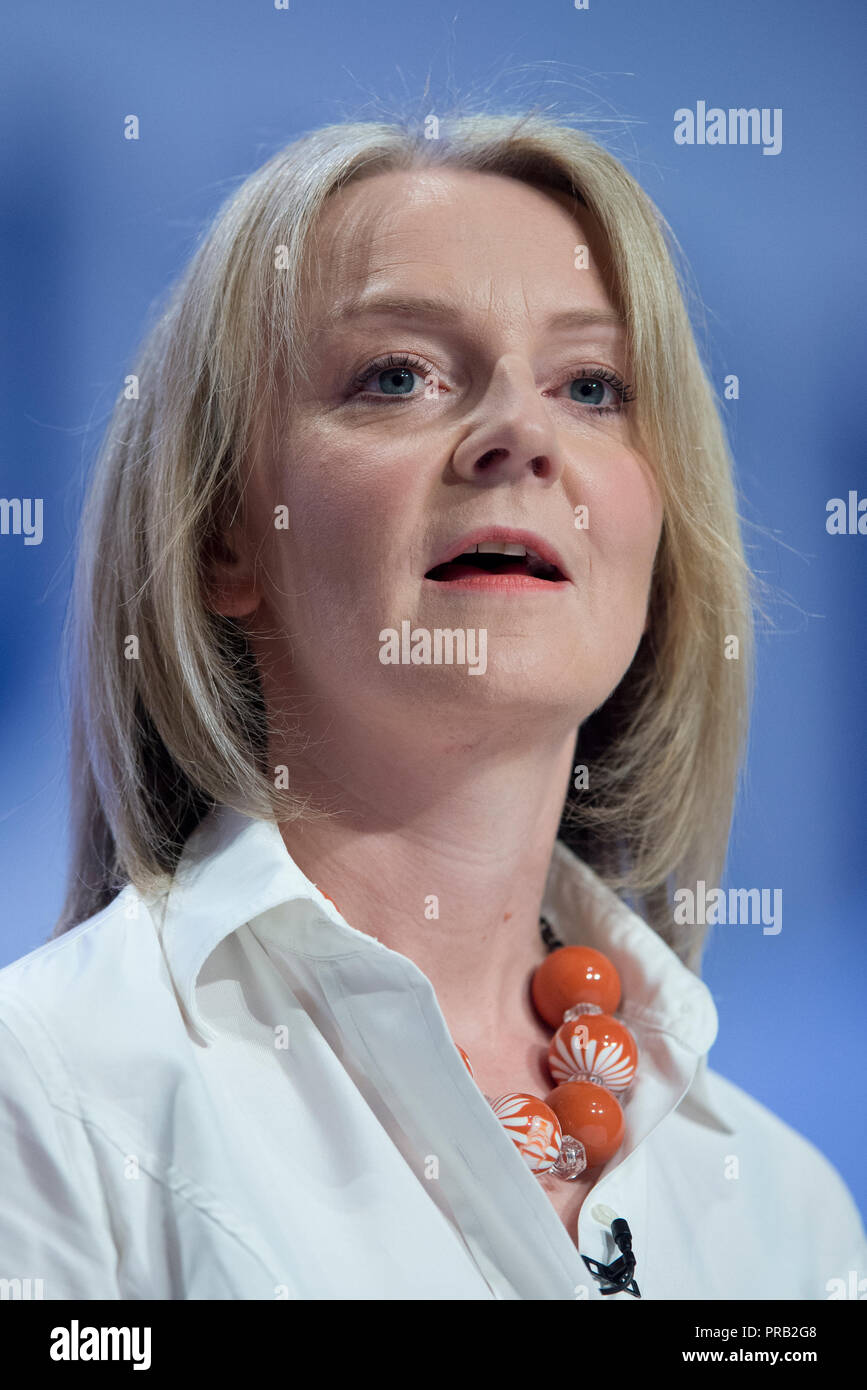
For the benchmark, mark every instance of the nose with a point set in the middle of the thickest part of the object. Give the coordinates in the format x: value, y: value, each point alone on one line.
x: 512, y: 435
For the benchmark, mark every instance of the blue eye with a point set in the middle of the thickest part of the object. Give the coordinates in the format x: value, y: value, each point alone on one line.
x: 396, y: 381
x: 588, y: 387
x: 394, y: 375
x: 590, y: 391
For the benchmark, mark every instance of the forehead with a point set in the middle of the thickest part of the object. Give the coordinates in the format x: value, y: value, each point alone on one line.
x: 494, y: 241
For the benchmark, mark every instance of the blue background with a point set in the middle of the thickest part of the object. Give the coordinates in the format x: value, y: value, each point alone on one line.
x: 95, y: 226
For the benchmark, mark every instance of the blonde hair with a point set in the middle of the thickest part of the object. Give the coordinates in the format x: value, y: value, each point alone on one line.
x: 156, y: 741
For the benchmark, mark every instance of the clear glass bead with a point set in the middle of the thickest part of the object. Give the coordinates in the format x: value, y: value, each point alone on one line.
x: 572, y: 1161
x: 578, y: 1009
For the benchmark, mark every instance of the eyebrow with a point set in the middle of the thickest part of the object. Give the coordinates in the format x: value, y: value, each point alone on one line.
x: 424, y: 306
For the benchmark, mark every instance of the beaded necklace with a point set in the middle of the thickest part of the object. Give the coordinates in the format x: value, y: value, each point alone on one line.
x: 592, y: 1059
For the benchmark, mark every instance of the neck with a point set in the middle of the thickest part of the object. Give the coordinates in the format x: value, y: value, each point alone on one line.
x: 442, y: 853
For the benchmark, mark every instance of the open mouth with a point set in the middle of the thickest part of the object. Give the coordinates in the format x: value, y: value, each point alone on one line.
x: 492, y: 558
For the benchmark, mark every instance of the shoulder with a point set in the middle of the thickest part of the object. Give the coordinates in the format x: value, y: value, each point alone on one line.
x: 81, y: 956
x: 74, y: 999
x: 94, y: 1054
x: 794, y: 1168
x: 775, y: 1217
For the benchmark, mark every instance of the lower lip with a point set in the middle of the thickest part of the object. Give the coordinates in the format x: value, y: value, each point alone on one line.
x: 498, y: 583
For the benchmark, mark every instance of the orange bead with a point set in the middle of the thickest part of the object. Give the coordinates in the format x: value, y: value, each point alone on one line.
x: 594, y: 1045
x: 590, y: 1114
x: 574, y: 975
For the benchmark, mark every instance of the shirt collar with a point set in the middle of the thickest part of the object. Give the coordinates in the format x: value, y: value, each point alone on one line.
x: 234, y: 868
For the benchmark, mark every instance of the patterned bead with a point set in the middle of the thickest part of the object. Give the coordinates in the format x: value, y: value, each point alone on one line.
x: 574, y: 975
x: 590, y: 1114
x: 594, y: 1045
x: 533, y: 1126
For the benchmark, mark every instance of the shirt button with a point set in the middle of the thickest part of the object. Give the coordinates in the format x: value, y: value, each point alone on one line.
x: 604, y: 1215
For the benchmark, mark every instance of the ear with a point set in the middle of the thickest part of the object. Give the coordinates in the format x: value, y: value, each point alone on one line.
x: 230, y: 583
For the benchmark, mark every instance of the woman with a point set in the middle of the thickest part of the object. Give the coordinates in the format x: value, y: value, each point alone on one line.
x: 333, y: 763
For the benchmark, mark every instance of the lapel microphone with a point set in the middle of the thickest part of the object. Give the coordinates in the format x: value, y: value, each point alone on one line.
x: 618, y: 1276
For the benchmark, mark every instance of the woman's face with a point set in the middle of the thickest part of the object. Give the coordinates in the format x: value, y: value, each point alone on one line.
x: 382, y: 476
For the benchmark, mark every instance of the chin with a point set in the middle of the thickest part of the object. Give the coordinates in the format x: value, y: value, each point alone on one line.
x: 500, y: 696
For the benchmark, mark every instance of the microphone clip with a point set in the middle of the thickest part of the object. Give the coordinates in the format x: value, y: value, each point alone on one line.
x: 618, y: 1276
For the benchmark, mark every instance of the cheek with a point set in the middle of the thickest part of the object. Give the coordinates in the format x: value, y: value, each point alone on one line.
x: 347, y: 507
x: 625, y: 525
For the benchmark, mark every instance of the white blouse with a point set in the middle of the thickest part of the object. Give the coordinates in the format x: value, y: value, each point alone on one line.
x: 228, y: 1092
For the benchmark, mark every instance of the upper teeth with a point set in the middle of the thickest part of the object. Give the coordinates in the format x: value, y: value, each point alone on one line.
x: 499, y: 548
